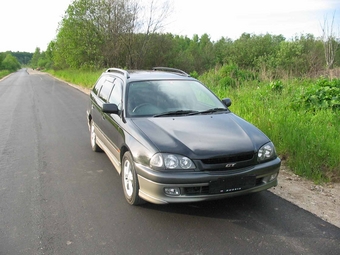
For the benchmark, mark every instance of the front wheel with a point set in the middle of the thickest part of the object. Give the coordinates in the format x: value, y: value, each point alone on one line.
x: 130, y: 181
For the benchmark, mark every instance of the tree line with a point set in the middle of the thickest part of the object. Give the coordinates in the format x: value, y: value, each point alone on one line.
x: 96, y: 34
x: 12, y: 61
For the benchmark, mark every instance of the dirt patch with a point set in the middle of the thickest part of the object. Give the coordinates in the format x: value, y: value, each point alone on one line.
x: 321, y: 200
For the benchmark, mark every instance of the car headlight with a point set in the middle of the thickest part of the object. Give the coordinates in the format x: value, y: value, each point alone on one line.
x: 171, y: 161
x: 266, y: 152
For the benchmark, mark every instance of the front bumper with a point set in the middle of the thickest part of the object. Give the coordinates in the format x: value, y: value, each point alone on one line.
x: 197, y: 186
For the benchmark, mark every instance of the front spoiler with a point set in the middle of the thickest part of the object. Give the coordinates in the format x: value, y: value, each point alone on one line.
x: 152, y: 183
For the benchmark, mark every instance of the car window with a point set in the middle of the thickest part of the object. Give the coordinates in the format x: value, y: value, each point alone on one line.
x: 99, y: 85
x: 149, y: 98
x: 116, y: 94
x: 188, y: 95
x: 106, y: 89
x: 203, y: 97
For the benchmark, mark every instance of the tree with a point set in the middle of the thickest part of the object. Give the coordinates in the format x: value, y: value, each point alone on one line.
x: 35, y: 58
x: 96, y: 33
x: 312, y: 58
x: 146, y: 22
x: 330, y: 42
x: 288, y: 57
x: 23, y: 57
x: 10, y: 63
x: 79, y: 36
x: 246, y: 51
x: 2, y: 57
x: 221, y: 47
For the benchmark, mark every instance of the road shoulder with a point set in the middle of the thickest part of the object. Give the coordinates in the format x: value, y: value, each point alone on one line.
x: 321, y: 200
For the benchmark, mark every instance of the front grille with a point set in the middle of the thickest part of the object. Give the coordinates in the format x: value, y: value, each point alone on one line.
x: 229, y: 159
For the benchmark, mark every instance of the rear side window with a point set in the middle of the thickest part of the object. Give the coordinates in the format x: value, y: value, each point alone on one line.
x: 98, y: 85
x: 106, y: 88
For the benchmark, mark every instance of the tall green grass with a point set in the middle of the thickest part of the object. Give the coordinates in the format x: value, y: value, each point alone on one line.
x: 309, y: 141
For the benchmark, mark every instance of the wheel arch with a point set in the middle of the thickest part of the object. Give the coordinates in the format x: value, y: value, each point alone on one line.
x: 123, y: 150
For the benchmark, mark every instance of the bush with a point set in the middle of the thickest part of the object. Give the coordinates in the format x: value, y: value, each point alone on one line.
x: 227, y: 76
x: 324, y: 94
x: 194, y: 74
x: 10, y: 63
x: 276, y: 86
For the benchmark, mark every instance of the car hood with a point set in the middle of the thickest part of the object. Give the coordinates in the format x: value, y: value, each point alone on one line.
x: 201, y: 136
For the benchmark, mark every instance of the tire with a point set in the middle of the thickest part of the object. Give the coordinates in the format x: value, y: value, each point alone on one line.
x: 95, y: 147
x: 130, y: 180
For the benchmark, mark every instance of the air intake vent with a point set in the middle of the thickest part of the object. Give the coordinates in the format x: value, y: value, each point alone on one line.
x: 225, y: 160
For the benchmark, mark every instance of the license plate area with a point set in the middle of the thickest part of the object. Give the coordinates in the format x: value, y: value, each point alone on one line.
x: 231, y: 184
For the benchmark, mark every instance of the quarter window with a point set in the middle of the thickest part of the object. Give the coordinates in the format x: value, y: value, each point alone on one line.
x: 106, y: 89
x: 116, y: 94
x: 99, y: 85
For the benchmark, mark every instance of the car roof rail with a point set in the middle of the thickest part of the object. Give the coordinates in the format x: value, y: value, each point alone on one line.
x: 117, y: 70
x: 169, y: 69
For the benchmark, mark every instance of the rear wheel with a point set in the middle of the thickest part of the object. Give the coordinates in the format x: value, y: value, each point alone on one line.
x: 130, y: 181
x: 95, y: 147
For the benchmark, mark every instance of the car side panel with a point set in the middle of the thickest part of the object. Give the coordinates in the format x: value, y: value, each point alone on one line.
x: 111, y: 127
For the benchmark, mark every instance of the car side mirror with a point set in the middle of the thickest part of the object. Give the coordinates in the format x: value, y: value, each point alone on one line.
x: 110, y: 108
x: 227, y: 102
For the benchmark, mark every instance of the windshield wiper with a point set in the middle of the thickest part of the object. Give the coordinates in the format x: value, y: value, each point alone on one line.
x: 213, y: 110
x: 176, y: 113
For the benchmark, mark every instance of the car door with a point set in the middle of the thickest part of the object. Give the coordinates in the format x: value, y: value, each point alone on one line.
x: 113, y: 122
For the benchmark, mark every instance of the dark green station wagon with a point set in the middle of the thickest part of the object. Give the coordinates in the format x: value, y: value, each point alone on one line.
x: 172, y: 140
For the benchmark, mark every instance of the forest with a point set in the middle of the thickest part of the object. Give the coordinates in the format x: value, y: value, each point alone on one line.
x: 96, y: 34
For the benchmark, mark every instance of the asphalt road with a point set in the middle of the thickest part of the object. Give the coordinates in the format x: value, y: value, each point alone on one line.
x: 59, y: 197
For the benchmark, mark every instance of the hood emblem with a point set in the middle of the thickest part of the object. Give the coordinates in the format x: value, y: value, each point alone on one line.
x: 230, y: 165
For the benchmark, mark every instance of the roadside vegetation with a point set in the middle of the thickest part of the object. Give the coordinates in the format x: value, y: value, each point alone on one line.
x: 8, y: 64
x: 288, y: 87
x: 82, y: 78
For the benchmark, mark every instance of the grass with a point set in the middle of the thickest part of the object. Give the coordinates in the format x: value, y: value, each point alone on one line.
x: 83, y: 78
x: 4, y: 73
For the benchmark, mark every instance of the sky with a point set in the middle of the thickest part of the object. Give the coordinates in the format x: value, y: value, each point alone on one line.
x: 28, y: 24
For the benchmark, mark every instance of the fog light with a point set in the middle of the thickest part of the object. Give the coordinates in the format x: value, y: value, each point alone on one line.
x: 270, y: 178
x: 273, y: 177
x: 172, y: 191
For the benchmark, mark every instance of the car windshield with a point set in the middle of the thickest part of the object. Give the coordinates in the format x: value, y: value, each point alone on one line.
x: 170, y: 98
